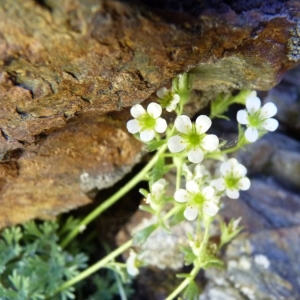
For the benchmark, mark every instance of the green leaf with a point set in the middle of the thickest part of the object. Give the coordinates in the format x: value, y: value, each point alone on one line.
x: 158, y: 170
x: 31, y: 229
x: 12, y: 235
x: 183, y: 275
x: 178, y: 217
x: 147, y: 209
x: 141, y: 236
x: 165, y: 227
x: 35, y: 266
x: 241, y: 97
x: 189, y: 255
x: 222, y: 117
x: 182, y: 85
x: 191, y: 292
x: 213, y: 262
x: 68, y: 225
x: 144, y: 192
x: 152, y: 146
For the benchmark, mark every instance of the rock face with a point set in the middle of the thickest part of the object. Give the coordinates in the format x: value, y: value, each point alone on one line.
x: 63, y: 65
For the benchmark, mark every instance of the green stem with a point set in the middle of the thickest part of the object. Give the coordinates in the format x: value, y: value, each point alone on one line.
x: 184, y: 283
x: 178, y: 175
x: 100, y: 264
x: 106, y: 259
x: 230, y: 150
x: 114, y: 198
x: 197, y: 266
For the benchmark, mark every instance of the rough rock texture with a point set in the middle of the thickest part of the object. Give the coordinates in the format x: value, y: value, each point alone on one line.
x: 63, y: 64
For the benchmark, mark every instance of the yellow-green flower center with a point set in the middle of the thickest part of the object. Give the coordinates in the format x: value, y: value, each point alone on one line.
x: 255, y: 120
x: 147, y: 122
x: 198, y: 199
x: 231, y: 182
x: 194, y: 138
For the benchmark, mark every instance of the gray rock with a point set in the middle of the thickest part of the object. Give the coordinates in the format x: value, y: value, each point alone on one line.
x: 276, y: 155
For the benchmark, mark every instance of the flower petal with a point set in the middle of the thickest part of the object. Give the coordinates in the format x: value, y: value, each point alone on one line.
x: 191, y: 213
x: 200, y: 171
x: 242, y: 117
x: 173, y: 104
x: 203, y: 123
x: 270, y: 124
x: 208, y: 192
x: 210, y: 142
x: 162, y: 92
x: 210, y: 208
x: 154, y: 110
x: 171, y: 107
x: 176, y: 98
x: 161, y: 125
x: 181, y: 196
x: 268, y: 110
x: 195, y: 156
x: 253, y: 104
x: 137, y: 110
x: 147, y: 135
x: 149, y: 198
x: 239, y: 170
x: 225, y: 168
x: 244, y: 184
x: 215, y: 199
x: 192, y: 187
x: 133, y: 126
x: 251, y: 134
x: 233, y: 194
x: 158, y: 188
x: 183, y: 124
x: 220, y: 184
x: 176, y: 143
x: 233, y: 161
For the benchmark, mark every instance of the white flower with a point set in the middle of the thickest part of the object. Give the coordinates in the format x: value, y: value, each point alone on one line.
x: 168, y: 99
x: 233, y: 178
x: 146, y: 122
x: 256, y: 118
x: 197, y: 200
x: 158, y: 190
x: 193, y: 137
x: 131, y: 264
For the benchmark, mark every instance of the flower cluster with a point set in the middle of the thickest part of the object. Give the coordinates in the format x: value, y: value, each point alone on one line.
x: 256, y: 118
x: 205, y: 182
x: 203, y: 191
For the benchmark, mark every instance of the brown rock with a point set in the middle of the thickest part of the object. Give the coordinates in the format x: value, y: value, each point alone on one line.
x: 58, y: 60
x: 57, y: 174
